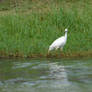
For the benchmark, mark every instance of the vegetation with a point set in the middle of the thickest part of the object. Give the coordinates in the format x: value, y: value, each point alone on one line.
x: 28, y: 27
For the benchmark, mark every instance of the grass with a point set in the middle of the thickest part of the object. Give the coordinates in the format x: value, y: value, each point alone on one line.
x: 30, y: 32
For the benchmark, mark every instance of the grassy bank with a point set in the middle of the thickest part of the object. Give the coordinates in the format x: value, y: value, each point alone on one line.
x: 30, y: 31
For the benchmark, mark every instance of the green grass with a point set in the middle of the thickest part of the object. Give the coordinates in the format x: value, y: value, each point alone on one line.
x: 32, y: 32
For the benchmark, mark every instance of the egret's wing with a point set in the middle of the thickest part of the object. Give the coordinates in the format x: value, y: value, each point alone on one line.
x: 58, y: 41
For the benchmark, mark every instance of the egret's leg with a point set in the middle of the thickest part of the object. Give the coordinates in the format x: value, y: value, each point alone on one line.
x: 56, y: 48
x: 48, y: 51
x: 61, y: 49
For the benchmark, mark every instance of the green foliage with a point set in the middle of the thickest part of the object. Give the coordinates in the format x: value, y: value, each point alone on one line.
x: 32, y: 33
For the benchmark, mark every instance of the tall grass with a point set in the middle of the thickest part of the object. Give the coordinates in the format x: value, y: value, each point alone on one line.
x: 32, y: 33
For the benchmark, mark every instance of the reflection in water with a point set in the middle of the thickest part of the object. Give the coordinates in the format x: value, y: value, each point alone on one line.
x: 58, y: 72
x: 44, y: 76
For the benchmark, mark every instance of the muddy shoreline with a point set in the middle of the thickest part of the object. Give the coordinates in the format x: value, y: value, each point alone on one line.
x: 63, y: 55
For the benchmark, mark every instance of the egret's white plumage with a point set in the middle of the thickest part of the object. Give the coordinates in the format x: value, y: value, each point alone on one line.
x: 59, y: 43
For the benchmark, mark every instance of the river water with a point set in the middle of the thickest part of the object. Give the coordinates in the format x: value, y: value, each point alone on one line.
x: 46, y: 75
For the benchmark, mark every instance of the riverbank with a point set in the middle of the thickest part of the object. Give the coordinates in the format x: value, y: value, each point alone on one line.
x: 58, y: 55
x: 29, y: 32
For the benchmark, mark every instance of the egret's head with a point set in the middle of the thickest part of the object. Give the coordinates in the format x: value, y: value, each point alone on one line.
x: 66, y: 30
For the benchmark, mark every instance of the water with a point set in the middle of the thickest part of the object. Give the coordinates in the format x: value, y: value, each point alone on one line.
x: 57, y: 75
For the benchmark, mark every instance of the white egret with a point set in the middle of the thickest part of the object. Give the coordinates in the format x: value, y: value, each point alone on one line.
x: 59, y: 43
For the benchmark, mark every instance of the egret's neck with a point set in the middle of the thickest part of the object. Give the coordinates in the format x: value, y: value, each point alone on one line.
x: 66, y: 35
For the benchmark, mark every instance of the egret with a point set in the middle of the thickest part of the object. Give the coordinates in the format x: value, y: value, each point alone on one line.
x: 59, y: 43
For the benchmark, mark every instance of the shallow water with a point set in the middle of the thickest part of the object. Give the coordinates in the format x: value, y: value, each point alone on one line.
x: 41, y: 75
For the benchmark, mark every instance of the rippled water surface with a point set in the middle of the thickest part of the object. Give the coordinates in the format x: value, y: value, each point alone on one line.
x: 46, y: 75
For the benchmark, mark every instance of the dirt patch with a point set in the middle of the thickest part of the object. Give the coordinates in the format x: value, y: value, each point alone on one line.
x: 1, y: 0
